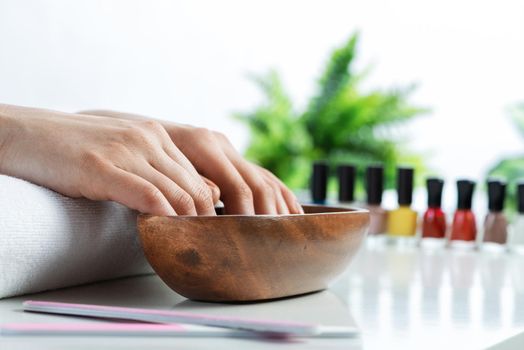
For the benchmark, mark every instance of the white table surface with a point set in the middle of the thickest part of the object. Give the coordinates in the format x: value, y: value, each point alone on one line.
x: 400, y: 298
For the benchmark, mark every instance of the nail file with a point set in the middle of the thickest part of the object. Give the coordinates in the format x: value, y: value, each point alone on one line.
x: 119, y: 329
x: 169, y: 316
x: 147, y: 330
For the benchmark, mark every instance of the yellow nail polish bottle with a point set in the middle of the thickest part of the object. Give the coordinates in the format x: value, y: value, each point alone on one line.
x: 402, y: 222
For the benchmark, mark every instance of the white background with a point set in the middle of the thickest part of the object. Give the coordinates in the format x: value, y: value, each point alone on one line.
x: 188, y: 61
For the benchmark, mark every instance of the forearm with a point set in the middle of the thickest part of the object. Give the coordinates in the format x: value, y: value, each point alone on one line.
x: 8, y: 127
x: 23, y: 135
x: 20, y: 131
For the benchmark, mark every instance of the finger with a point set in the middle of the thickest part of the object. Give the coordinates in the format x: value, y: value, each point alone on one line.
x: 211, y: 162
x: 234, y: 191
x: 282, y: 207
x: 284, y: 200
x: 135, y: 192
x: 179, y: 199
x: 266, y: 199
x: 176, y: 154
x: 291, y: 199
x: 215, y: 191
x: 193, y: 185
x: 264, y: 196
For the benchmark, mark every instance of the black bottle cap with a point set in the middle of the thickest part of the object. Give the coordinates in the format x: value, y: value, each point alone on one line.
x: 434, y: 186
x: 405, y: 186
x: 374, y: 184
x: 346, y: 182
x: 319, y: 181
x: 465, y: 193
x: 520, y: 197
x: 496, y: 195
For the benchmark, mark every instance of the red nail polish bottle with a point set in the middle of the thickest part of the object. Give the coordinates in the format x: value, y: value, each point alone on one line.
x: 434, y: 222
x: 464, y: 227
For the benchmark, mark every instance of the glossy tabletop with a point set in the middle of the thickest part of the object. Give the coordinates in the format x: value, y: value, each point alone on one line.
x: 434, y: 298
x: 399, y: 296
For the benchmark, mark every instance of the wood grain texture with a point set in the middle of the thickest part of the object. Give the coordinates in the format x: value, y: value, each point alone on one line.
x: 246, y: 258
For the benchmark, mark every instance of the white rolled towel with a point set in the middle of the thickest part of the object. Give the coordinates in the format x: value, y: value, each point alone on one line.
x: 50, y: 241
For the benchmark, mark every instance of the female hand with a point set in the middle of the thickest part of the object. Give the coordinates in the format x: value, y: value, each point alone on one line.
x: 136, y: 162
x: 245, y: 188
x: 100, y: 158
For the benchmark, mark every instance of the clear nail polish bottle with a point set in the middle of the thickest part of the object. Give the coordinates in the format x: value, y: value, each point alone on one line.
x: 374, y: 188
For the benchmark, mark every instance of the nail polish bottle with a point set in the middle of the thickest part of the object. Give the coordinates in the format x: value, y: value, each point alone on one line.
x: 516, y: 239
x: 464, y: 228
x: 402, y: 222
x: 346, y: 184
x: 319, y: 182
x: 374, y: 188
x: 434, y: 221
x: 495, y: 224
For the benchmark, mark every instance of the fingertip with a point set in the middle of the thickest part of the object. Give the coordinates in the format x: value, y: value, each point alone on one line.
x: 160, y: 207
x: 208, y: 211
x: 169, y: 211
x: 238, y: 199
x: 281, y: 205
x: 236, y: 207
x: 298, y: 207
x: 215, y: 194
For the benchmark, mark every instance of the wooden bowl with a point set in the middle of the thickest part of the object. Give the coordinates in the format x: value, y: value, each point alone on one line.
x: 246, y: 258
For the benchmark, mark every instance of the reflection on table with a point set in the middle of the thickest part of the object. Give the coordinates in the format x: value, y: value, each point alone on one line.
x: 418, y: 297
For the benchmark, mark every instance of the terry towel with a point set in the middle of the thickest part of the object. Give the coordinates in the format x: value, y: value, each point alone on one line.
x: 50, y: 241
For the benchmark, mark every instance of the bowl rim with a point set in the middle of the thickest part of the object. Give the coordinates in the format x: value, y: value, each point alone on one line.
x: 337, y: 210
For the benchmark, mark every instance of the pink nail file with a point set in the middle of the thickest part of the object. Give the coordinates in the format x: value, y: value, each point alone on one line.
x: 119, y: 329
x: 142, y: 330
x: 168, y: 316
